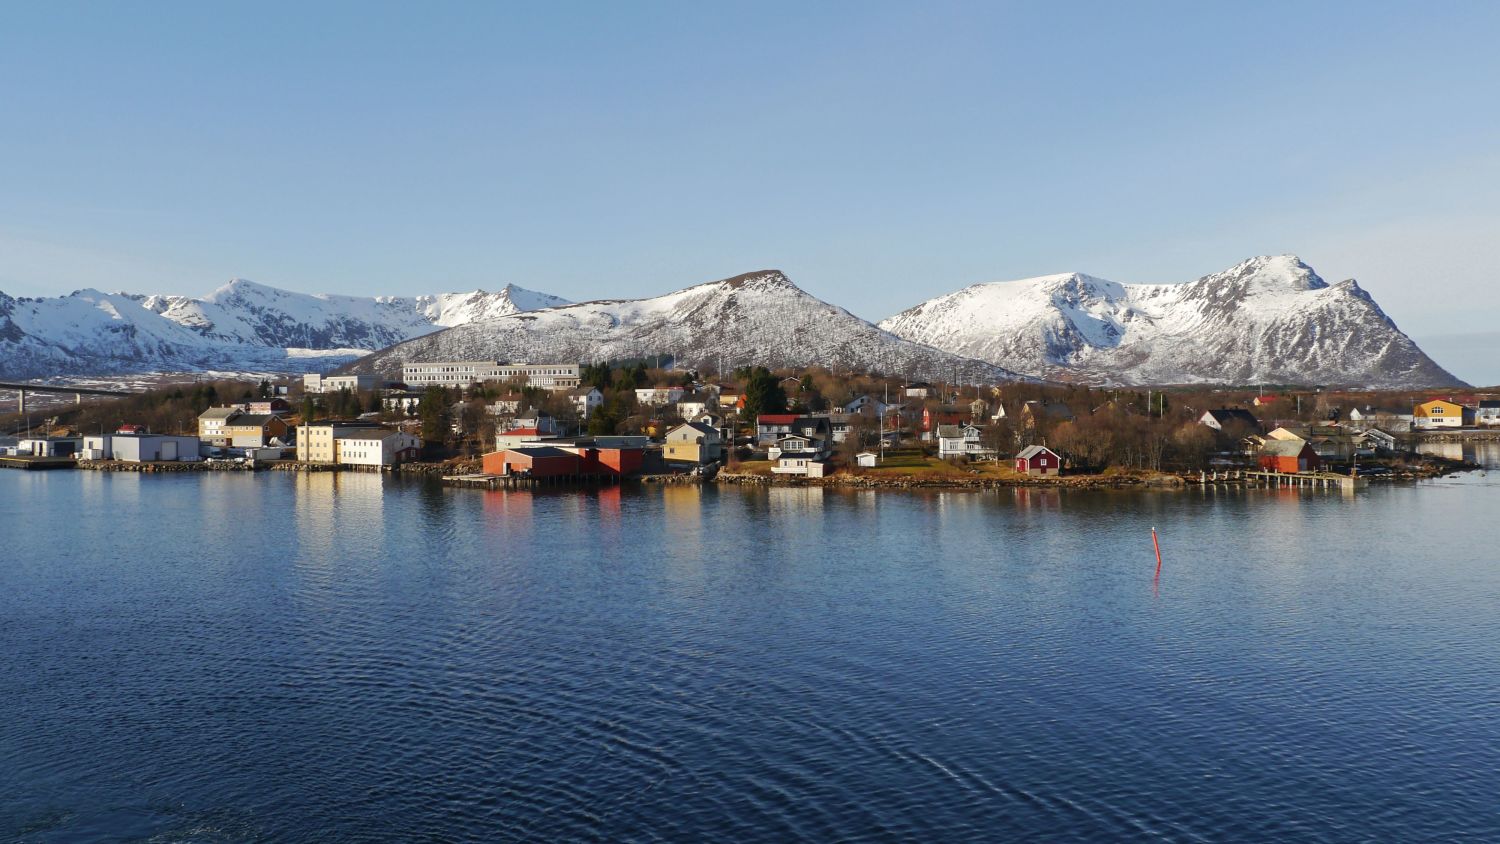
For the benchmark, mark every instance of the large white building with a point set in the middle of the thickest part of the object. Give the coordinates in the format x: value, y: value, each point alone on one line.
x: 462, y: 373
x: 141, y: 448
x: 333, y: 383
x: 354, y: 446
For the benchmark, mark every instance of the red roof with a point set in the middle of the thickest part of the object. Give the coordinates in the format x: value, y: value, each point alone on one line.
x: 520, y: 432
x: 776, y: 418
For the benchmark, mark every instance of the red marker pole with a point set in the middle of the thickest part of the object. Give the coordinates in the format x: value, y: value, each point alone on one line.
x: 1157, y: 545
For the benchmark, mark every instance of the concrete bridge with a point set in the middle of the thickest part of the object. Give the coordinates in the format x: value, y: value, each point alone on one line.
x: 76, y: 392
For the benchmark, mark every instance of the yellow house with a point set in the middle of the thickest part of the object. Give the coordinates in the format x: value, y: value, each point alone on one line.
x: 692, y: 442
x: 1437, y: 414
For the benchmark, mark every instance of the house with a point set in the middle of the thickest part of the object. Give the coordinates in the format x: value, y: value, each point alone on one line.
x: 1488, y: 413
x: 692, y: 406
x: 999, y: 411
x: 140, y: 447
x: 1289, y: 456
x: 371, y: 446
x: 375, y: 447
x: 277, y: 406
x: 462, y: 373
x: 807, y: 465
x: 543, y: 422
x: 978, y: 408
x: 537, y: 461
x: 791, y: 385
x: 770, y: 427
x: 962, y: 441
x: 799, y: 444
x: 1396, y: 420
x: 1376, y: 440
x: 1229, y: 417
x: 731, y: 400
x: 333, y: 383
x: 932, y: 418
x: 1440, y: 413
x: 1038, y: 460
x: 866, y: 404
x: 252, y: 430
x: 919, y: 390
x: 1288, y: 433
x: 401, y: 401
x: 1262, y: 401
x: 659, y: 396
x: 510, y: 404
x: 585, y: 400
x: 515, y: 437
x: 211, y: 423
x: 693, y: 442
x: 866, y: 459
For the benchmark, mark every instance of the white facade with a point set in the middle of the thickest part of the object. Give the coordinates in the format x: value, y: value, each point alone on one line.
x: 866, y: 459
x: 333, y: 383
x: 584, y: 401
x: 659, y: 396
x: 462, y: 373
x: 375, y: 447
x: 141, y: 448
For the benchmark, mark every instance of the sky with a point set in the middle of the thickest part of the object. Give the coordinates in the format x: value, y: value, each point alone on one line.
x: 879, y: 154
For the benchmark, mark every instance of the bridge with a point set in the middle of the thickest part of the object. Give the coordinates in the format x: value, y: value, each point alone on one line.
x: 77, y: 392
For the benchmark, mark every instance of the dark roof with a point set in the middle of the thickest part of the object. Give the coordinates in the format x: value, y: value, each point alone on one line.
x: 257, y: 419
x: 1283, y: 448
x: 1489, y: 403
x: 1231, y: 414
x: 541, y: 451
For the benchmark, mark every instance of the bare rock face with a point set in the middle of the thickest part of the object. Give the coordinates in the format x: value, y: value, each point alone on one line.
x: 1266, y: 320
x: 758, y: 318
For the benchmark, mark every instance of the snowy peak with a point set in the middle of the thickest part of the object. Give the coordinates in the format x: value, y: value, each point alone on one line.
x: 240, y: 325
x: 1270, y: 318
x: 758, y: 318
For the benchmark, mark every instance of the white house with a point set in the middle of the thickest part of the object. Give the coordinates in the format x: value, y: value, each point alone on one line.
x: 659, y: 396
x: 690, y: 408
x: 585, y: 400
x: 376, y: 447
x: 1488, y: 413
x: 866, y: 404
x: 962, y: 441
x: 333, y: 383
x: 866, y: 459
x: 919, y: 390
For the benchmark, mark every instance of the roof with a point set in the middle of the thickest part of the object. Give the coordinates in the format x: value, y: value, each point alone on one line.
x: 1489, y: 403
x: 583, y: 391
x: 540, y: 451
x: 1031, y: 451
x: 776, y: 419
x: 1283, y: 448
x: 220, y: 413
x: 365, y: 433
x: 1231, y: 414
x: 520, y: 432
x: 950, y: 431
x: 259, y: 420
x: 701, y: 428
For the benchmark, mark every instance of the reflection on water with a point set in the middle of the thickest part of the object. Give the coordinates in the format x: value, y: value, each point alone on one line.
x: 352, y: 657
x: 1485, y: 453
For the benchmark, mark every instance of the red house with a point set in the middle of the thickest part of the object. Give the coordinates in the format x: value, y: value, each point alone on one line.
x: 610, y: 462
x: 1038, y: 460
x: 1290, y: 456
x: 532, y: 461
x: 944, y: 416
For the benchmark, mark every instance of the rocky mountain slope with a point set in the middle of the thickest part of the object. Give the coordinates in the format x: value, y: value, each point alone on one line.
x: 756, y: 318
x: 1265, y: 320
x: 240, y: 326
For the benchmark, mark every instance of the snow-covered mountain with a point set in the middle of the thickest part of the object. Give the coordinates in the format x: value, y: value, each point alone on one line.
x: 1265, y: 320
x: 756, y: 318
x: 242, y: 325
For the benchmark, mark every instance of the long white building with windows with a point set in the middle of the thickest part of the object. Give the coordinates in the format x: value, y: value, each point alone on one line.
x: 462, y: 373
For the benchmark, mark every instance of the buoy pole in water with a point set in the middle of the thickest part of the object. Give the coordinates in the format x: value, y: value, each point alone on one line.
x: 1157, y: 545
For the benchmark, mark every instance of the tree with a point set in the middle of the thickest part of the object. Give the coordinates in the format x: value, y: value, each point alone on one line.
x: 309, y: 409
x: 437, y: 421
x: 763, y: 394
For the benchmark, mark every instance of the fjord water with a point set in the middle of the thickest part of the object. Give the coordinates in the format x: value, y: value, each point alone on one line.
x: 228, y: 657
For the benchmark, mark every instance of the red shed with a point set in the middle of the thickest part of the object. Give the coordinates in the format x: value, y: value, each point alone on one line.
x: 1038, y: 460
x: 614, y: 462
x: 535, y: 461
x: 1290, y: 456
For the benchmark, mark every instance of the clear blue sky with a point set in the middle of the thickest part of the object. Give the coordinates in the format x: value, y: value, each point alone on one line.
x: 879, y: 154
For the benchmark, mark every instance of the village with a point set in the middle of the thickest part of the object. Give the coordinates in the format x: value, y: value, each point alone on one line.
x: 494, y: 424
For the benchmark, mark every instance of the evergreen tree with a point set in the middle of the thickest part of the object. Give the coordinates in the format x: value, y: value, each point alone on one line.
x: 436, y: 418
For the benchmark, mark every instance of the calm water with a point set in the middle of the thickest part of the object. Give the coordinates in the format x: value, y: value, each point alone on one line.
x: 243, y: 658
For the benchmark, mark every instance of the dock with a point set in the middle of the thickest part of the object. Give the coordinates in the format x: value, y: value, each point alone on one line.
x: 36, y: 463
x: 1310, y: 480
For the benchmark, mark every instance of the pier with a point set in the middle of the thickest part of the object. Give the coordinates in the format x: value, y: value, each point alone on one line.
x: 1310, y: 480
